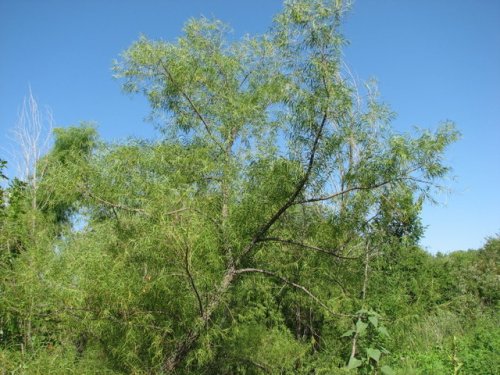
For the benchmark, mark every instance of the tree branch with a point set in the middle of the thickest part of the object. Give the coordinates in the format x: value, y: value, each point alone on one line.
x: 172, y: 360
x: 305, y: 246
x: 191, y: 104
x: 191, y: 279
x: 291, y: 200
x: 127, y: 208
x: 115, y: 205
x: 405, y: 176
x: 291, y: 283
x: 343, y: 192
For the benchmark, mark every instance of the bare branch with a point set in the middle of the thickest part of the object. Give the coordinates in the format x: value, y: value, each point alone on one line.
x: 31, y: 136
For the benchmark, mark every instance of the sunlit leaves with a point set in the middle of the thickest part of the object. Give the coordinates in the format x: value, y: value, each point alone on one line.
x: 270, y: 159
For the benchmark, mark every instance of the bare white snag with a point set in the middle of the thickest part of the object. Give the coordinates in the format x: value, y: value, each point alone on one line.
x: 30, y: 141
x: 31, y: 137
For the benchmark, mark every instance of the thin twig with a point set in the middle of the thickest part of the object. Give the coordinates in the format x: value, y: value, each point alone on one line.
x: 127, y: 208
x: 343, y: 192
x: 116, y: 205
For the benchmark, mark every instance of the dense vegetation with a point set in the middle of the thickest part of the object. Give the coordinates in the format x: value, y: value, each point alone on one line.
x: 273, y: 229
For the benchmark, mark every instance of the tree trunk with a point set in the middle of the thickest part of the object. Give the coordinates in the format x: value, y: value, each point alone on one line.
x: 187, y: 343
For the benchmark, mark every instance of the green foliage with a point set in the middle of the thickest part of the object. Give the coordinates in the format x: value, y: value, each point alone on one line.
x: 445, y: 330
x: 477, y: 351
x: 73, y: 142
x: 370, y: 334
x: 55, y: 360
x: 276, y: 204
x: 3, y: 164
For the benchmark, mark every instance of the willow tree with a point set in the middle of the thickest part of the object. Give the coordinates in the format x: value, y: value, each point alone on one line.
x: 295, y: 161
x: 240, y: 243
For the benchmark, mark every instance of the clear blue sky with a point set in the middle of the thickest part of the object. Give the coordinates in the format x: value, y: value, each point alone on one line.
x: 434, y: 60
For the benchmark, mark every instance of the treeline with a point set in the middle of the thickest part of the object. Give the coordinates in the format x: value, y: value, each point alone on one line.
x: 273, y: 229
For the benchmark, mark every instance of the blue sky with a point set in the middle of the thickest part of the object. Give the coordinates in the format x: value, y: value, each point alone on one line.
x: 434, y: 61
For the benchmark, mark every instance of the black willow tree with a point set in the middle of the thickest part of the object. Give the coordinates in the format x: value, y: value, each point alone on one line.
x: 243, y: 241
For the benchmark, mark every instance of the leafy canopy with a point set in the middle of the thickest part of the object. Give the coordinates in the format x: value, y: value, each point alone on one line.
x: 242, y: 242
